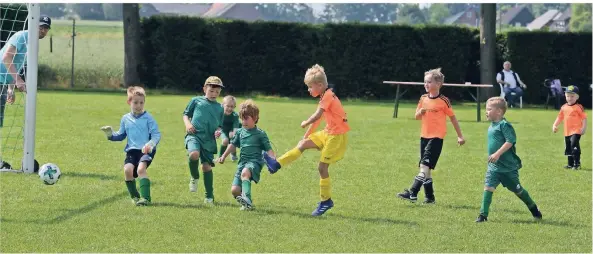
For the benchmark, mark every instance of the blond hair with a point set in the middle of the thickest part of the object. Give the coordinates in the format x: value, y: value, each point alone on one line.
x: 248, y: 108
x: 229, y: 98
x: 135, y: 91
x: 316, y: 74
x: 436, y: 75
x: 498, y: 102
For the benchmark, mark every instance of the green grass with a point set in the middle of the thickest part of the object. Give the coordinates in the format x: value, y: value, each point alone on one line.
x: 98, y: 55
x: 88, y: 210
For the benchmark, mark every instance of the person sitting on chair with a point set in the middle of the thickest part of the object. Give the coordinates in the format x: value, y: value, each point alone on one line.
x: 510, y: 80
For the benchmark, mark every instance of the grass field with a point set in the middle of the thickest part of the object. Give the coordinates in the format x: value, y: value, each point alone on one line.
x: 88, y: 210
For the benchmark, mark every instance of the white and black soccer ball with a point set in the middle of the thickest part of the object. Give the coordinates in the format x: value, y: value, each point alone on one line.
x: 49, y: 173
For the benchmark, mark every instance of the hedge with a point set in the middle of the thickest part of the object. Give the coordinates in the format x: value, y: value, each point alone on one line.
x: 271, y: 57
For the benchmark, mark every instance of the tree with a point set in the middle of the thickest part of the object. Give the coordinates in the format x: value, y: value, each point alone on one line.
x: 487, y: 46
x: 287, y: 12
x: 113, y: 11
x: 581, y: 18
x: 87, y: 11
x: 132, y: 58
x: 410, y: 14
x: 368, y: 13
x: 438, y: 13
x: 328, y: 14
x: 53, y: 10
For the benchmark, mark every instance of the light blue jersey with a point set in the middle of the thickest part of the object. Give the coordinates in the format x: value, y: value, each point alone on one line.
x: 138, y: 129
x: 19, y: 41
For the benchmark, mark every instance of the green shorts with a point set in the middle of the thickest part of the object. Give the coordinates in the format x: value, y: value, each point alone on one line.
x: 254, y: 167
x: 193, y: 144
x: 225, y: 135
x: 509, y: 180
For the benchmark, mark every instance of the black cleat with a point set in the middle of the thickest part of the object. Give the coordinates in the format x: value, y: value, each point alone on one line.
x: 408, y: 195
x: 481, y: 218
x: 576, y: 167
x: 568, y: 167
x: 428, y: 200
x: 536, y: 213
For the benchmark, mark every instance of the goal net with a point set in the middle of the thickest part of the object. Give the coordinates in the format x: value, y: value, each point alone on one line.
x: 19, y: 40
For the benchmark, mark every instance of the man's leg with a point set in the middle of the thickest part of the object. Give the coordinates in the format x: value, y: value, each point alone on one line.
x: 510, y: 98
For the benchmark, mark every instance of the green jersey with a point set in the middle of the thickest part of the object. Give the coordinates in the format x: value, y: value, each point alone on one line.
x: 230, y: 122
x: 206, y: 117
x: 252, y: 142
x: 498, y: 134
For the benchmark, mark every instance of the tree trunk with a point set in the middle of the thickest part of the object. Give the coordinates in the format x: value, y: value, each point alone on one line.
x: 131, y: 44
x: 488, y: 49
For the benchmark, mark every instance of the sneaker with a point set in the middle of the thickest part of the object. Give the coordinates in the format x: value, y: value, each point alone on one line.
x: 322, y: 207
x: 244, y: 201
x: 429, y: 201
x: 273, y: 165
x: 193, y: 185
x: 536, y: 213
x: 576, y: 167
x: 135, y: 200
x: 209, y: 201
x: 234, y: 158
x: 481, y: 218
x: 143, y: 202
x: 568, y: 167
x: 408, y: 195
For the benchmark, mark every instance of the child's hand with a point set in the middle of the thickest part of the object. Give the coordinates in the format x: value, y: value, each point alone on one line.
x: 494, y: 157
x: 107, y: 130
x: 221, y: 159
x: 217, y: 133
x: 460, y: 141
x: 304, y: 124
x: 554, y: 128
x: 190, y: 129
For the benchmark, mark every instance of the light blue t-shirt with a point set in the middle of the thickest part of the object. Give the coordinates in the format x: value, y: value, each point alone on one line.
x: 19, y: 41
x: 138, y: 129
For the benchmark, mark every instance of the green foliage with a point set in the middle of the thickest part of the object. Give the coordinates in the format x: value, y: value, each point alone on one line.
x: 113, y: 11
x: 438, y: 13
x: 581, y: 18
x: 53, y: 10
x: 291, y: 12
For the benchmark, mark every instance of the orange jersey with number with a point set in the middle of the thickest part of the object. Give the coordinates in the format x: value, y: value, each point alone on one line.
x: 573, y: 116
x: 434, y: 120
x: 334, y: 114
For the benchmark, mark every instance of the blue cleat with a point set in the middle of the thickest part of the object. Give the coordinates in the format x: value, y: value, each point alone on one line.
x: 272, y: 163
x: 323, y: 207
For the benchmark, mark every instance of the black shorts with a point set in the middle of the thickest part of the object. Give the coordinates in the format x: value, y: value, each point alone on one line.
x: 572, y: 143
x: 136, y: 156
x: 430, y: 151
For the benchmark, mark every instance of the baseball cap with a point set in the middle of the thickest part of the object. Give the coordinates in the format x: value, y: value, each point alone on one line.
x: 572, y: 89
x: 45, y: 20
x: 213, y: 81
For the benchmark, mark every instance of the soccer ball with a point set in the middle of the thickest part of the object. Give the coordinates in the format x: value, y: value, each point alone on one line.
x: 49, y: 173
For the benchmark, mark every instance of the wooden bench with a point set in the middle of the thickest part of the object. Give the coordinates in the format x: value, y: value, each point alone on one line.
x: 466, y: 85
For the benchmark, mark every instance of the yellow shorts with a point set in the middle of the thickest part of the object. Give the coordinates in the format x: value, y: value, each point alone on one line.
x: 332, y: 147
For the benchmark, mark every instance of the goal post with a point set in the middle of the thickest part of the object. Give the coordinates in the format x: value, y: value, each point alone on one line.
x: 17, y: 128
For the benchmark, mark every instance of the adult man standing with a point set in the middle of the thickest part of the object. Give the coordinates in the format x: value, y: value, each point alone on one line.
x: 14, y: 58
x: 512, y: 83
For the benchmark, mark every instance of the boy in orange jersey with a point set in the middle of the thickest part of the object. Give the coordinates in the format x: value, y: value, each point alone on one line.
x: 331, y: 141
x: 575, y: 125
x: 433, y: 109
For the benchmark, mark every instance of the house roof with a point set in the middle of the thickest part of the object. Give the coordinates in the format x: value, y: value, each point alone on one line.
x: 181, y: 9
x: 544, y: 19
x: 453, y: 18
x: 508, y: 16
x: 565, y: 15
x: 218, y: 9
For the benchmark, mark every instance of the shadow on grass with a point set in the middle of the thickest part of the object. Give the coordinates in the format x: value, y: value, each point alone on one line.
x: 70, y: 213
x: 548, y: 222
x: 91, y: 175
x: 477, y: 208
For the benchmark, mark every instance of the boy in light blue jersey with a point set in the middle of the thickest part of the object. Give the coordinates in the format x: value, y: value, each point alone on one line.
x: 143, y: 136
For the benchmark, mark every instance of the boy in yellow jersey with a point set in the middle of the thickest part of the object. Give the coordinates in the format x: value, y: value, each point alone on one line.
x: 575, y: 124
x: 332, y: 141
x: 433, y: 109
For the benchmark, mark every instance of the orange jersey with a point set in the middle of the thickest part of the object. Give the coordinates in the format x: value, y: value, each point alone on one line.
x: 573, y: 116
x: 434, y: 121
x: 334, y: 114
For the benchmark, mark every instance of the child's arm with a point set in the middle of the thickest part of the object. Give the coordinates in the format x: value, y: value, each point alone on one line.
x: 115, y: 136
x: 155, y: 136
x: 419, y: 113
x: 558, y: 121
x: 496, y: 155
x: 312, y: 122
x: 189, y: 110
x: 189, y: 128
x: 230, y: 149
x: 312, y: 128
x: 460, y: 139
x: 584, y: 126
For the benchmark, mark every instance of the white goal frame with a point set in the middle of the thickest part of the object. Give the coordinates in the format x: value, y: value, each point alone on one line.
x: 28, y: 165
